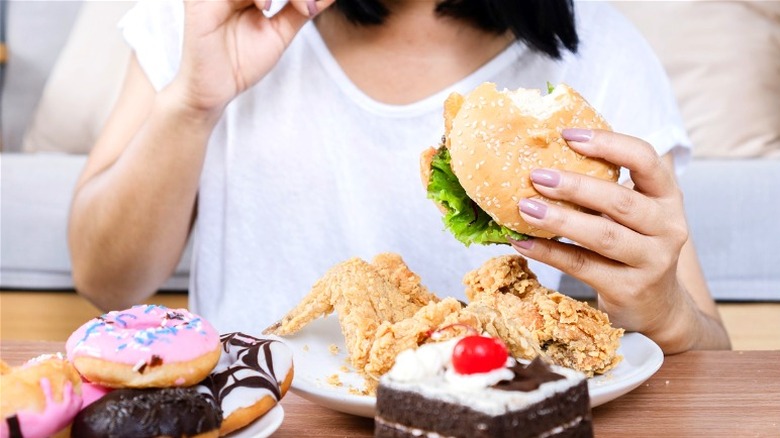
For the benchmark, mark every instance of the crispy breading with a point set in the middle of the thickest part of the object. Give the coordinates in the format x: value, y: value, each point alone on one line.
x: 393, y: 338
x: 363, y: 296
x: 570, y: 333
x: 393, y: 267
x: 503, y: 275
x: 513, y: 323
x: 383, y: 309
x: 576, y: 335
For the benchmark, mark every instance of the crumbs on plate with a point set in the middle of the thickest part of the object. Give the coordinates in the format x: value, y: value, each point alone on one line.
x: 333, y: 348
x: 334, y: 380
x: 357, y: 391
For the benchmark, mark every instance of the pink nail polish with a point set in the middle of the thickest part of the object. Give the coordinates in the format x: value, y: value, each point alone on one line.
x: 521, y: 244
x: 545, y: 177
x: 533, y: 208
x: 577, y: 134
x: 312, y: 7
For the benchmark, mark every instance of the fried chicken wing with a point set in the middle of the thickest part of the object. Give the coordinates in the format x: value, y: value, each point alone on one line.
x: 392, y: 267
x: 364, y: 296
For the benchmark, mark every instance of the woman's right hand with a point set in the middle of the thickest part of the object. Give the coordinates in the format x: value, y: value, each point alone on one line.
x: 230, y: 45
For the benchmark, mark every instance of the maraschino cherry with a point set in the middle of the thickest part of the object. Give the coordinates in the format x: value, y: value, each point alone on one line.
x: 478, y: 354
x: 474, y: 353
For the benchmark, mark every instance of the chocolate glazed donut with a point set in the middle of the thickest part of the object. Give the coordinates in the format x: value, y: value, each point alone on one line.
x: 141, y: 413
x: 252, y: 375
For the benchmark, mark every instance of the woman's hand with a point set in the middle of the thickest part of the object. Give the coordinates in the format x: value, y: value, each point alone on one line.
x: 629, y: 253
x: 230, y: 45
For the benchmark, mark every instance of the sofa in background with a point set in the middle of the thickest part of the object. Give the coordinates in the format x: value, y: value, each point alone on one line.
x: 723, y: 59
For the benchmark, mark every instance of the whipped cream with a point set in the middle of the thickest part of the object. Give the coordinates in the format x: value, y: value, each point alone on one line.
x: 435, y: 360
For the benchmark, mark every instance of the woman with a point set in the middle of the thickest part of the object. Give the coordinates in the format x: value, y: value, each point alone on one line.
x: 292, y: 145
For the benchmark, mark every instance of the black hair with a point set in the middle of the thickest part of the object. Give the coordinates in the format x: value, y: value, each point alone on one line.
x: 546, y: 26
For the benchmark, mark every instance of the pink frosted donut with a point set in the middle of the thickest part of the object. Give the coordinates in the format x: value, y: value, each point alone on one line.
x: 143, y: 347
x: 39, y: 398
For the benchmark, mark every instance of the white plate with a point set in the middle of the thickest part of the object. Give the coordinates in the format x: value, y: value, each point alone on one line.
x: 324, y: 376
x: 263, y: 427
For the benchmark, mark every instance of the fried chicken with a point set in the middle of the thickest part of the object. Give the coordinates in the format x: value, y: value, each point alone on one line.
x: 568, y: 332
x: 383, y: 309
x: 364, y: 296
x: 393, y: 338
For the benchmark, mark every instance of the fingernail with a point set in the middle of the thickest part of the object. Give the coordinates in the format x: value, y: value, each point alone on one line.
x: 267, y: 5
x: 577, y: 134
x: 312, y: 6
x: 533, y: 208
x: 545, y: 177
x: 521, y: 244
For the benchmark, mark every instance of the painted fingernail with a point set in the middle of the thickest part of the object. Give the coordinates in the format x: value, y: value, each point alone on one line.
x: 577, y: 134
x: 267, y: 5
x: 521, y: 244
x: 312, y: 6
x: 545, y: 177
x: 533, y: 208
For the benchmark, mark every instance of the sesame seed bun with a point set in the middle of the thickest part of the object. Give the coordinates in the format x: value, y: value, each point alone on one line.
x: 496, y: 138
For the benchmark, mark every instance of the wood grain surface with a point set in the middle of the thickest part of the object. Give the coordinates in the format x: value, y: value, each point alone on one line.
x: 52, y: 316
x: 694, y: 394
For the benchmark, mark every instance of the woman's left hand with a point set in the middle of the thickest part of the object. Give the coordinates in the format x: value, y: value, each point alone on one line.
x: 629, y: 252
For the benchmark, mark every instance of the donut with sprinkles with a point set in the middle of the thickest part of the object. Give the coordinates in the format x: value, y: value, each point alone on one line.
x: 145, y: 346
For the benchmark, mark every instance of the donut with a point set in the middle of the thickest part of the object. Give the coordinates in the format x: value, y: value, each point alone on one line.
x: 252, y: 375
x: 39, y: 398
x: 141, y: 413
x: 146, y: 346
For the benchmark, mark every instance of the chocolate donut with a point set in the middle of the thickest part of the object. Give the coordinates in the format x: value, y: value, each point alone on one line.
x: 141, y: 413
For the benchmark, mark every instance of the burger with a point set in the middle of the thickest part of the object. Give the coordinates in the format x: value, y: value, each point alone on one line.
x: 492, y: 141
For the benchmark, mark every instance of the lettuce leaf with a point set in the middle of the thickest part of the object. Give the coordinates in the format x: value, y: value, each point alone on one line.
x: 464, y: 218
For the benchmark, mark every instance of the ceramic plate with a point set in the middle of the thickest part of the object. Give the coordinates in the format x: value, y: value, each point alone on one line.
x: 262, y: 427
x: 323, y: 375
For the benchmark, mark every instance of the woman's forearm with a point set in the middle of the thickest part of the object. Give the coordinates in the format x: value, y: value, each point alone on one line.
x: 706, y: 330
x: 686, y: 326
x: 131, y: 214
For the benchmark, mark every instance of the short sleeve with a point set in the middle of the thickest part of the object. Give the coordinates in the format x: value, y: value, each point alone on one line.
x: 154, y: 30
x: 619, y: 74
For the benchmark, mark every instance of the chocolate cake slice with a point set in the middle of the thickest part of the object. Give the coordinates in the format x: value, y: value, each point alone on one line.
x: 423, y: 396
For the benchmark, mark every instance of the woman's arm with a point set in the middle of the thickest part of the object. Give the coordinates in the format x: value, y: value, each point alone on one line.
x: 705, y: 321
x: 637, y: 254
x: 135, y: 198
x: 134, y: 202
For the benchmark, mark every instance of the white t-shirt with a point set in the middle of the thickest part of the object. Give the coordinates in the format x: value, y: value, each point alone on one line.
x: 305, y: 170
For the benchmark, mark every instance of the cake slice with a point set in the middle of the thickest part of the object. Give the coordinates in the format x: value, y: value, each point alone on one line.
x: 426, y: 394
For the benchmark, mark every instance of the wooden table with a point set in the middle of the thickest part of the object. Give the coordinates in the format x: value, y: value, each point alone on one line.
x: 699, y: 393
